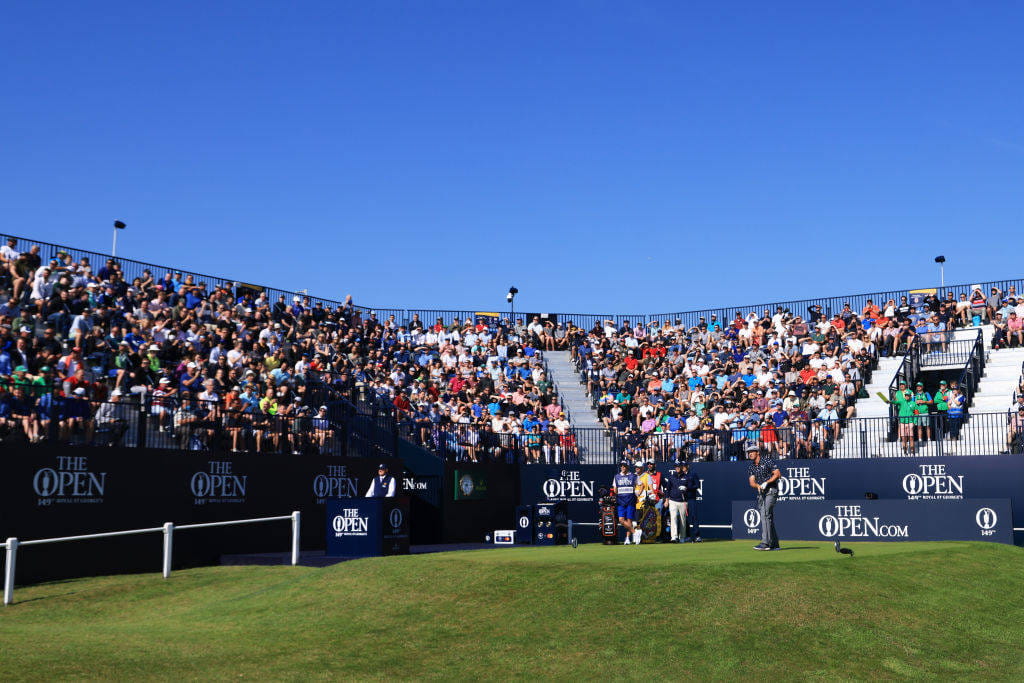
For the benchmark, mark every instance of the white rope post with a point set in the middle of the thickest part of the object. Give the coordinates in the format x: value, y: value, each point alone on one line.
x: 168, y: 547
x: 296, y: 526
x: 12, y: 552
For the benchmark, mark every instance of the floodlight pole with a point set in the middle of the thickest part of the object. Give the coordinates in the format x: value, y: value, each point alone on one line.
x: 118, y: 225
x: 941, y: 260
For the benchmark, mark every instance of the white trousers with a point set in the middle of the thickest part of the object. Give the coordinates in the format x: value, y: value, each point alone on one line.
x: 677, y: 518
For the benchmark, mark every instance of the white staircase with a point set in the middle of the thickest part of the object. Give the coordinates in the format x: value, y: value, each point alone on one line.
x: 881, y: 378
x: 572, y: 394
x: 853, y: 444
x: 1001, y: 378
x: 595, y: 447
x: 977, y: 437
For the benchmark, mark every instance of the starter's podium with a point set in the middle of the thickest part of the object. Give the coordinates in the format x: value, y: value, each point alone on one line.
x: 366, y: 527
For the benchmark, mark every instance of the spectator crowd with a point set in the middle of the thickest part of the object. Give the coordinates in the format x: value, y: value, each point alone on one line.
x: 84, y: 350
x: 778, y: 381
x: 86, y: 353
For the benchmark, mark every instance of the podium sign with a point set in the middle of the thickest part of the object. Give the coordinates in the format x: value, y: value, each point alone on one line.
x: 366, y: 527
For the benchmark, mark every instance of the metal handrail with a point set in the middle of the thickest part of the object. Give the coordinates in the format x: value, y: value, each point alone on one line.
x: 906, y: 372
x: 973, y: 369
x: 12, y: 543
x: 1016, y: 393
x: 827, y: 304
x: 139, y: 266
x: 554, y: 385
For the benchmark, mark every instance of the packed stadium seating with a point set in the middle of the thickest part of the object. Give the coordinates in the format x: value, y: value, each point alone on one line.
x: 173, y: 360
x: 224, y: 366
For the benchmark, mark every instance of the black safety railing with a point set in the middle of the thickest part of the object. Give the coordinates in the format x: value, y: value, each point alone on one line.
x: 935, y: 433
x: 803, y: 307
x: 200, y: 426
x: 140, y: 421
x: 936, y: 349
x: 1017, y: 392
x: 932, y: 434
x: 131, y: 269
x: 906, y: 373
x: 973, y: 367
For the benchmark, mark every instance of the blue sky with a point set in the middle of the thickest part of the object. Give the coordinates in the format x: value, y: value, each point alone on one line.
x: 600, y: 156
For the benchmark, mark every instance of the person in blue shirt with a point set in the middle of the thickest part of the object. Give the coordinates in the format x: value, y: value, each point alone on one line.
x: 936, y: 334
x: 193, y: 297
x: 78, y: 414
x: 624, y: 487
x: 50, y: 405
x: 135, y: 338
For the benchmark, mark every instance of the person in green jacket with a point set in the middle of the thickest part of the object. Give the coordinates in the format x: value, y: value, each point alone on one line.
x: 922, y: 401
x: 941, y: 408
x: 904, y: 402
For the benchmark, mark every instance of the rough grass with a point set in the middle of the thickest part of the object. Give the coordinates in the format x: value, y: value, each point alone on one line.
x: 716, y: 610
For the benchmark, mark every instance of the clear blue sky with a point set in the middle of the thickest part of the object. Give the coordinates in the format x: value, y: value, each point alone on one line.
x: 601, y: 156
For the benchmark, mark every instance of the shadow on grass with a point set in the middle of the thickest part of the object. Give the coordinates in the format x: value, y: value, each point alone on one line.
x: 800, y: 547
x: 19, y: 601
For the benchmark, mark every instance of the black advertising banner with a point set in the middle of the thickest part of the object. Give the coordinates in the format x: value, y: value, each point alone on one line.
x: 721, y: 483
x: 396, y: 526
x: 471, y: 519
x: 980, y: 519
x: 49, y: 491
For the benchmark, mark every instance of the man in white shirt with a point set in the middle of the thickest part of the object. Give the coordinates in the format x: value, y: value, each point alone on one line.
x: 8, y: 252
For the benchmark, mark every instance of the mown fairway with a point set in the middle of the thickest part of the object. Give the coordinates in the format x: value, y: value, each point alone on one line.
x: 716, y: 610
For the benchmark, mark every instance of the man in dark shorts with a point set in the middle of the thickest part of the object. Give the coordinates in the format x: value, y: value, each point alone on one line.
x: 624, y: 487
x: 764, y: 474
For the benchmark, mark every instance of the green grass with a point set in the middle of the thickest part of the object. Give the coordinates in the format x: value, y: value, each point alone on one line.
x: 716, y: 610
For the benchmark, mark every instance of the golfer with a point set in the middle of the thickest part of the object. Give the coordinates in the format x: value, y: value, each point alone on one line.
x: 764, y: 474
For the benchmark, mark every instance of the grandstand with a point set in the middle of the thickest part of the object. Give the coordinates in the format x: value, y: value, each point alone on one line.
x: 132, y: 354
